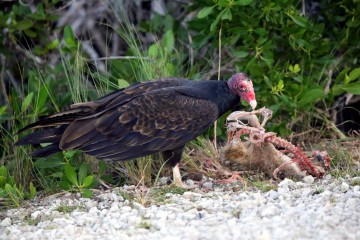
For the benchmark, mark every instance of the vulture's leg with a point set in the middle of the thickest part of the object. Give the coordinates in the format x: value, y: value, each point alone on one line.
x: 177, y: 177
x: 173, y: 158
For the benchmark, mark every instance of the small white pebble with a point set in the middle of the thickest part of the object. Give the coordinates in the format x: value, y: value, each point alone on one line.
x: 308, y: 179
x: 134, y: 220
x: 307, y: 192
x: 286, y: 183
x: 35, y: 215
x: 163, y: 181
x: 273, y: 195
x: 269, y: 211
x: 6, y: 222
x: 208, y: 185
x: 126, y: 209
x: 344, y: 187
x: 191, y: 195
x: 114, y: 208
x: 355, y: 181
x: 352, y: 203
x: 190, y: 183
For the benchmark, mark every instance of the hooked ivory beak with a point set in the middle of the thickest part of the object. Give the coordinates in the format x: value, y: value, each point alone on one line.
x: 253, y: 104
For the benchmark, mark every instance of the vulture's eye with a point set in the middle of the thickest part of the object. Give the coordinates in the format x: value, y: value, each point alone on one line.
x: 243, y: 87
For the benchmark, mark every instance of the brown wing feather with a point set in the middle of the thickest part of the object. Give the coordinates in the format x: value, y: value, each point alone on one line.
x: 121, y: 124
x: 155, y: 121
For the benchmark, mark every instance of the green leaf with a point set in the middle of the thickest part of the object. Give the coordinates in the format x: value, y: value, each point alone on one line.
x: 217, y: 19
x: 243, y: 2
x: 49, y: 162
x: 32, y: 191
x: 205, y: 12
x: 87, y: 193
x: 311, y: 96
x: 9, y: 189
x: 168, y: 41
x: 2, y: 193
x: 2, y: 181
x: 294, y: 69
x: 254, y: 69
x: 10, y: 180
x: 280, y: 85
x: 87, y: 181
x: 53, y: 44
x: 241, y: 54
x: 41, y: 99
x: 82, y: 172
x: 102, y: 168
x: 169, y: 68
x: 69, y: 36
x: 223, y: 3
x: 346, y: 79
x: 57, y: 175
x: 3, y: 171
x: 298, y: 79
x: 269, y: 61
x: 70, y: 154
x: 71, y: 174
x: 30, y: 33
x: 64, y: 185
x: 27, y: 101
x: 40, y: 14
x: 341, y: 76
x: 122, y: 83
x: 337, y: 90
x: 353, y: 88
x: 227, y: 15
x: 289, y: 103
x: 2, y: 110
x: 301, y: 21
x: 24, y: 24
x: 267, y: 81
x: 354, y: 74
x: 153, y: 51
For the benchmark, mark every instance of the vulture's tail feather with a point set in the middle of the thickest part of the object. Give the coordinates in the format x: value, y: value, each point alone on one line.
x: 46, y: 151
x: 52, y: 135
x: 50, y: 131
x: 58, y: 119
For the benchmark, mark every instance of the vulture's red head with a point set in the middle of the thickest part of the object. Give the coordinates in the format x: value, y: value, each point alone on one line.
x: 241, y: 85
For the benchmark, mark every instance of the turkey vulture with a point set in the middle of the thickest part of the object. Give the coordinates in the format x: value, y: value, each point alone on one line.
x: 142, y: 119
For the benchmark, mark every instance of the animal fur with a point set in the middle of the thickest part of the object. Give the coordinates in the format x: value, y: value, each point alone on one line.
x: 263, y: 157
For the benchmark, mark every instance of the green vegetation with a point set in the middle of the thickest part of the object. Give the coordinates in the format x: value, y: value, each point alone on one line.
x: 344, y: 156
x: 264, y: 186
x: 145, y: 225
x: 318, y: 191
x: 158, y: 195
x: 68, y: 209
x: 301, y: 58
x: 12, y: 194
x: 32, y: 221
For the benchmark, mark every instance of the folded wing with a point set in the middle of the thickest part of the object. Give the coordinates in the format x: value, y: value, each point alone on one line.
x: 155, y: 121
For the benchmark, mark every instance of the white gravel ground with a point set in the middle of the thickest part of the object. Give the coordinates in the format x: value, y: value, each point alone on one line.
x: 322, y: 209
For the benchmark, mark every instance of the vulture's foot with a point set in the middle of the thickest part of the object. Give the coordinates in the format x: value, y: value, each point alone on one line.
x: 177, y: 177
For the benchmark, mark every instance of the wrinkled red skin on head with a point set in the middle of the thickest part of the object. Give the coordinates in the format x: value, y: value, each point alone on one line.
x: 241, y: 85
